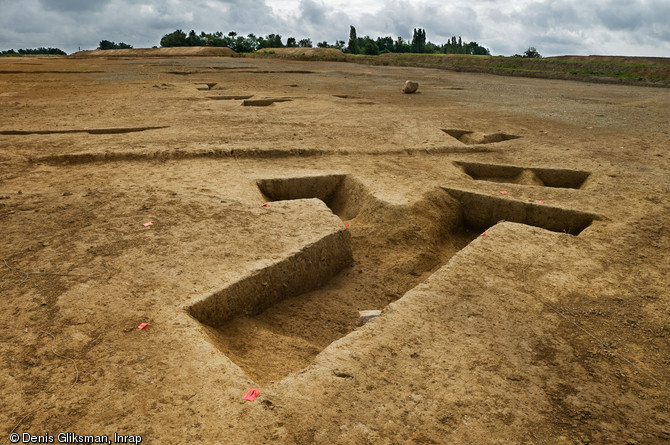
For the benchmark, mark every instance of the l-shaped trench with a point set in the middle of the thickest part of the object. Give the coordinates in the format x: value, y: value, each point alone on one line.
x: 395, y: 247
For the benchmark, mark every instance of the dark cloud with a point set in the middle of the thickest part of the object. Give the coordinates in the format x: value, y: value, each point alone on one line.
x: 313, y: 12
x: 74, y: 5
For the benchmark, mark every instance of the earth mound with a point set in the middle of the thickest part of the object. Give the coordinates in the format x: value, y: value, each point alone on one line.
x: 312, y: 52
x: 182, y: 51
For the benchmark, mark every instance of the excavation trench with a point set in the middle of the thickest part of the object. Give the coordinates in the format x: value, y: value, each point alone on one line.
x: 276, y: 320
x: 546, y: 177
x: 264, y: 102
x: 480, y: 211
x: 118, y: 130
x: 472, y: 137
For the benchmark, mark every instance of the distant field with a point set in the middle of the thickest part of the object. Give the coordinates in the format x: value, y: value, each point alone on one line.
x: 644, y: 71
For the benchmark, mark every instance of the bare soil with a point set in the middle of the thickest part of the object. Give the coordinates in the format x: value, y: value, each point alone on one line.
x: 513, y: 231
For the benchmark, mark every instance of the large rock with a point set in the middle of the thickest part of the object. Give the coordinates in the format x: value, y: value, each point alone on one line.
x: 410, y: 87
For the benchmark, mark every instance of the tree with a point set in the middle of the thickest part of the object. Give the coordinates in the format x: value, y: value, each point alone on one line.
x: 400, y: 46
x: 271, y: 41
x: 532, y: 53
x: 370, y: 47
x: 40, y: 50
x: 291, y: 42
x: 106, y: 44
x: 418, y: 44
x: 177, y: 38
x: 385, y: 44
x: 340, y: 45
x: 323, y: 44
x: 193, y: 39
x: 305, y: 43
x: 353, y: 47
x: 254, y: 41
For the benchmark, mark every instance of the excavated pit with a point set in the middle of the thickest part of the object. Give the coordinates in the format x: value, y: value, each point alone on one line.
x: 205, y: 86
x: 481, y: 211
x: 283, y: 327
x: 546, y: 177
x: 474, y: 138
x: 341, y: 193
x: 276, y: 320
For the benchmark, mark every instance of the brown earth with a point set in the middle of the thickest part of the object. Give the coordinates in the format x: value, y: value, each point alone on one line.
x: 182, y: 51
x: 311, y: 52
x: 273, y: 226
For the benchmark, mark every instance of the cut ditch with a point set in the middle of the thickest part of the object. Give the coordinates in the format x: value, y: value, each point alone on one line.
x: 277, y: 319
x: 230, y: 97
x: 481, y: 211
x: 205, y: 86
x: 85, y: 130
x: 264, y: 102
x: 472, y: 138
x: 341, y: 193
x: 547, y: 177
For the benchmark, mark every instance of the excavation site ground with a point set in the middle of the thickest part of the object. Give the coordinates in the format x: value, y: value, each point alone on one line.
x: 483, y: 261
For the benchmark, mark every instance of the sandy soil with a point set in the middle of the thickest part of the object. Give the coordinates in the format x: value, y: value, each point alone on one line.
x: 273, y: 226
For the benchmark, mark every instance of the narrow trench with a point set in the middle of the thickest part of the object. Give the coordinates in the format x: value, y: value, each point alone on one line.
x: 545, y: 177
x: 472, y: 137
x: 394, y: 249
x: 85, y: 130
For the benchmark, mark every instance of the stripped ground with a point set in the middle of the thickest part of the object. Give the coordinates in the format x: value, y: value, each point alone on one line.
x: 513, y: 232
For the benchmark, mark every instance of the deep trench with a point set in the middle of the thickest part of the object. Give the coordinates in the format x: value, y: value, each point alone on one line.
x: 546, y: 177
x: 469, y: 137
x: 394, y: 248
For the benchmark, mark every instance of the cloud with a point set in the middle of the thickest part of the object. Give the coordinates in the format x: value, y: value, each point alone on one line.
x: 625, y: 27
x: 74, y: 5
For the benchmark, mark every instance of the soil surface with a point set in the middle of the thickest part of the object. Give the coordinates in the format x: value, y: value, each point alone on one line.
x: 513, y: 232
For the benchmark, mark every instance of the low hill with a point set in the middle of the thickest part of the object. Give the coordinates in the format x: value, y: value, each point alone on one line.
x: 317, y: 53
x: 182, y: 51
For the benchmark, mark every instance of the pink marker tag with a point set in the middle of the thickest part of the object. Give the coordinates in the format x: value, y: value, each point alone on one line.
x: 143, y: 325
x: 541, y: 202
x: 265, y: 204
x: 503, y: 192
x: 346, y: 224
x: 483, y: 234
x: 147, y: 224
x: 251, y: 394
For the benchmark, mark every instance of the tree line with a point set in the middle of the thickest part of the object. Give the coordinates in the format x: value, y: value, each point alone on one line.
x: 418, y: 44
x: 106, y: 44
x: 232, y: 40
x: 35, y: 51
x: 356, y: 45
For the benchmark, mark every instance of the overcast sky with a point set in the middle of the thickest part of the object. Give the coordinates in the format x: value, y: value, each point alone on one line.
x: 554, y: 27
